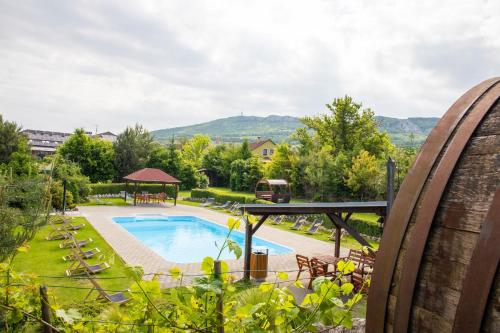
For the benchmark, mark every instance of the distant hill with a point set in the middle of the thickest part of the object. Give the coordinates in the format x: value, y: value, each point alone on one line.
x: 279, y: 128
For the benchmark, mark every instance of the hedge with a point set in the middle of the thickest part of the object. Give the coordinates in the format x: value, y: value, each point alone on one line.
x: 222, y: 198
x: 366, y: 227
x: 116, y: 188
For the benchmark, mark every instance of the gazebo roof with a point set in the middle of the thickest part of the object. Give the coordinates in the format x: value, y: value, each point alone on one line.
x: 151, y: 175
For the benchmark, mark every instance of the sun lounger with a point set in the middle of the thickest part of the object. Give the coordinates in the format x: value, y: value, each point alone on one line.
x: 297, y: 225
x: 68, y: 243
x: 314, y: 227
x: 277, y: 219
x: 58, y: 219
x: 77, y: 251
x: 80, y: 266
x: 118, y: 298
x: 224, y: 206
x: 58, y: 235
x: 208, y: 202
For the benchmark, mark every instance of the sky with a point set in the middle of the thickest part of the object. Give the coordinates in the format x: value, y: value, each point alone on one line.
x: 111, y: 64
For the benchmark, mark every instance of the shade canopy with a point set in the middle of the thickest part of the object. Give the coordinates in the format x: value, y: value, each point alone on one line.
x: 151, y: 175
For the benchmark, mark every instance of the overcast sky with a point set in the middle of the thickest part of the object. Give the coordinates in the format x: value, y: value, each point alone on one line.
x: 68, y: 64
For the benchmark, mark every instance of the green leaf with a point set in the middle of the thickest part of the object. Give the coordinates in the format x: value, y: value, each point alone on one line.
x: 282, y: 275
x: 279, y: 320
x: 68, y: 316
x: 233, y: 223
x: 347, y: 288
x: 251, y: 219
x: 235, y: 248
x: 22, y: 249
x: 207, y: 265
x: 298, y: 284
x: 175, y: 272
x: 265, y: 287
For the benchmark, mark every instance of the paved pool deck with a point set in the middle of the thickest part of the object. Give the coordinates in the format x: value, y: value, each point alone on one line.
x: 134, y: 252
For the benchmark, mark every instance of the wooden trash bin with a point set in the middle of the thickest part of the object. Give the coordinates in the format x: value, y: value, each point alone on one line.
x: 258, y: 264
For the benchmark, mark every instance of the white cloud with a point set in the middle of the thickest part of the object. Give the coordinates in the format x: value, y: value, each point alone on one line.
x: 167, y: 63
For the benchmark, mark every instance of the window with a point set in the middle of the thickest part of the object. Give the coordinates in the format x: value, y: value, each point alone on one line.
x: 271, y: 151
x: 264, y: 152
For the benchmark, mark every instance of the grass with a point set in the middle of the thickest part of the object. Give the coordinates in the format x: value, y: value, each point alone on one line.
x: 44, y: 258
x: 347, y: 241
x: 105, y: 202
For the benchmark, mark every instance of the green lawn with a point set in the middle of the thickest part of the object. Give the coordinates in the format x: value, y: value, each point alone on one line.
x: 347, y: 241
x: 44, y: 258
x: 105, y: 202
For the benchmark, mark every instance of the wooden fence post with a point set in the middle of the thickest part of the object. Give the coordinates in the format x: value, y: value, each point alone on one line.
x: 220, y: 299
x: 390, y: 185
x: 45, y: 309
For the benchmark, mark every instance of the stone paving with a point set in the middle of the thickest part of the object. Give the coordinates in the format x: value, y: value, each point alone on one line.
x: 134, y: 252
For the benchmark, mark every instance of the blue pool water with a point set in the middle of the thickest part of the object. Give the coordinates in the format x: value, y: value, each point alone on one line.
x: 187, y: 239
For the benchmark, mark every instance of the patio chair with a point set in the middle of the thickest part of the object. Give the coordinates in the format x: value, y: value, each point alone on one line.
x: 208, y: 202
x: 80, y: 266
x: 304, y: 265
x: 117, y: 298
x: 68, y: 243
x: 314, y: 226
x: 234, y: 208
x: 66, y: 225
x: 298, y: 224
x: 224, y: 206
x: 58, y: 219
x: 58, y: 234
x: 77, y: 251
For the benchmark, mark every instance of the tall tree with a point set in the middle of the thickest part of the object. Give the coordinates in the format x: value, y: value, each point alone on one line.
x: 245, y: 152
x: 364, y: 178
x: 94, y: 156
x: 11, y: 140
x: 281, y: 165
x: 195, y: 148
x: 132, y: 150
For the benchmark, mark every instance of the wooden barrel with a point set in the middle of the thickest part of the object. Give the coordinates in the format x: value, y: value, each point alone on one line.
x: 258, y: 265
x: 437, y: 267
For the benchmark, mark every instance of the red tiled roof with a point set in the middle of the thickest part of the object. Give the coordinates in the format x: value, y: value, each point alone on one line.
x: 151, y: 175
x: 257, y: 144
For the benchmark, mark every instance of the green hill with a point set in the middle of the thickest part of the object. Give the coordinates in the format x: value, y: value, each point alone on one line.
x: 279, y: 128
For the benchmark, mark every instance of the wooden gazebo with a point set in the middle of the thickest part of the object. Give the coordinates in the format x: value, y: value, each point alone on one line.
x: 152, y: 176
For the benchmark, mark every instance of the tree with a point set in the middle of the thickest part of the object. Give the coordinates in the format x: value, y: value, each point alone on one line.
x: 23, y: 209
x: 11, y: 140
x: 245, y: 152
x: 94, y: 156
x: 77, y: 183
x: 347, y: 128
x: 245, y: 174
x: 281, y: 165
x: 195, y: 148
x: 132, y: 150
x: 365, y: 175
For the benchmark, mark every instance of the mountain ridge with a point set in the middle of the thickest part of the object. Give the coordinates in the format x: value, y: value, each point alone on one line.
x: 404, y: 132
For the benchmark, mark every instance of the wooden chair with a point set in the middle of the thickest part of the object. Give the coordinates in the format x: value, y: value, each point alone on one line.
x: 304, y: 265
x: 320, y: 268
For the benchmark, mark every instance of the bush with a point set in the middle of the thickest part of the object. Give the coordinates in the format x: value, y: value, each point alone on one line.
x: 57, y: 191
x: 116, y: 188
x: 366, y: 227
x: 203, y: 194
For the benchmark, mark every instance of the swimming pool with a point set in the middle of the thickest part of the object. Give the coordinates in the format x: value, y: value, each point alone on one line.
x: 187, y: 239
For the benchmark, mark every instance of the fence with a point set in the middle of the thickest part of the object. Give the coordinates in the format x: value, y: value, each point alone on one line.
x: 48, y: 315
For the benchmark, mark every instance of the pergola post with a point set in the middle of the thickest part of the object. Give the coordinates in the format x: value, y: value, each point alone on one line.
x: 249, y: 231
x: 164, y: 191
x: 391, y: 166
x: 248, y: 249
x: 176, y: 193
x: 135, y: 194
x: 126, y: 188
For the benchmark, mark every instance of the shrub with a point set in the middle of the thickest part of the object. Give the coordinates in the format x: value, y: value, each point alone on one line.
x: 116, y: 188
x: 57, y: 191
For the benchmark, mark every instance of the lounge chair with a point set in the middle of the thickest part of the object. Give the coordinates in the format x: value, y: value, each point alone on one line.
x: 118, y: 298
x: 224, y: 206
x: 297, y: 225
x: 234, y: 208
x: 58, y: 235
x: 277, y: 220
x: 77, y: 251
x: 208, y: 202
x: 69, y: 243
x: 58, y: 219
x: 314, y: 226
x: 80, y: 266
x: 304, y: 265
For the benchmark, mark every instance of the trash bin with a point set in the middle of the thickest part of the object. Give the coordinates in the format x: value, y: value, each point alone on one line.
x: 258, y: 263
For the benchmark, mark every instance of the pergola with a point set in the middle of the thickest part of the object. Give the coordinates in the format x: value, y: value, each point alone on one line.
x: 151, y: 175
x: 338, y: 212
